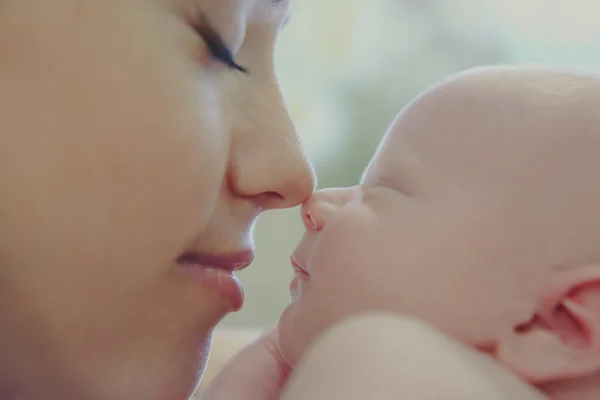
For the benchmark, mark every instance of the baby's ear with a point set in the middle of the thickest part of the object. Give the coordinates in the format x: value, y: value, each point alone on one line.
x: 562, y: 338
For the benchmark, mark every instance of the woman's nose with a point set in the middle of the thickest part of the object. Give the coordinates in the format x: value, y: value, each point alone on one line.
x: 323, y: 205
x: 267, y: 163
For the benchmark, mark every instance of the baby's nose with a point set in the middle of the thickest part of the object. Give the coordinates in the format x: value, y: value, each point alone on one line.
x: 323, y: 205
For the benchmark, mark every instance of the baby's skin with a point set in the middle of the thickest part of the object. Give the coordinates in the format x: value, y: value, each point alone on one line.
x: 479, y: 216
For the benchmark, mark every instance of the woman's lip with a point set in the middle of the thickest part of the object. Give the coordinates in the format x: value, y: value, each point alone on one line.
x: 215, y: 271
x: 219, y: 281
x: 230, y: 262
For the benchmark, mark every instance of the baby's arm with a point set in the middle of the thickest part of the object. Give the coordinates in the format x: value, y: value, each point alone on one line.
x: 386, y: 357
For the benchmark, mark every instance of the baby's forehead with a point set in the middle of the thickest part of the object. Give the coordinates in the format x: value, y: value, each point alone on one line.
x: 487, y: 122
x: 521, y: 149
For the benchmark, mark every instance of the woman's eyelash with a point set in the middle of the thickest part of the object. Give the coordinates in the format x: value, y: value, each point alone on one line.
x: 216, y: 46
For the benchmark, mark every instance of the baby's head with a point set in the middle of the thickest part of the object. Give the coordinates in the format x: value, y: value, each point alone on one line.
x: 480, y: 215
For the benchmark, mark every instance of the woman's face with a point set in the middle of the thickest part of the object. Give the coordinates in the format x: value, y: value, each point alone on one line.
x: 125, y: 144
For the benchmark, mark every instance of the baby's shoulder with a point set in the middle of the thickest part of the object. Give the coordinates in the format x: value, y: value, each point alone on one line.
x: 405, y: 358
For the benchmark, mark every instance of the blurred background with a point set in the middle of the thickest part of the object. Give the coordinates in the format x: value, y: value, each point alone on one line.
x: 348, y: 66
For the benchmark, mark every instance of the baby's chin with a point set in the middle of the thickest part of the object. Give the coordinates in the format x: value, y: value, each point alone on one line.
x: 300, y: 324
x: 288, y: 346
x: 292, y: 341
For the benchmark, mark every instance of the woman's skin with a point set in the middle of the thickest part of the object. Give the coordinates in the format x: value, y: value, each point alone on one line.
x: 125, y: 143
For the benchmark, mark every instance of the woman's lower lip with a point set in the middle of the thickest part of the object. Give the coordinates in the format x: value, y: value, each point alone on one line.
x: 223, y: 283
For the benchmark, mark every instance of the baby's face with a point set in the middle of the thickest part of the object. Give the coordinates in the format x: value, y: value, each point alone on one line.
x: 403, y: 240
x: 443, y: 225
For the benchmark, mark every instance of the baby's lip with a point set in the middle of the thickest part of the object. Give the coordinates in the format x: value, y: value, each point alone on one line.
x: 301, y: 255
x: 297, y: 267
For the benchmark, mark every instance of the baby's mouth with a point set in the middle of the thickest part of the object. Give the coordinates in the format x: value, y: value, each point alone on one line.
x: 298, y: 270
x: 300, y: 275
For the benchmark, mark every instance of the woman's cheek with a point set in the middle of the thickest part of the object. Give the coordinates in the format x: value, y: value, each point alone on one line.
x: 183, y: 152
x: 198, y: 165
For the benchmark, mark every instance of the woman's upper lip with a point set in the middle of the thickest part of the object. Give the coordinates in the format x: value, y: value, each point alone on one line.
x: 233, y: 261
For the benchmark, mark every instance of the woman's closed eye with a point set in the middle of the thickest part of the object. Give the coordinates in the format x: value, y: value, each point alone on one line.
x: 214, y: 42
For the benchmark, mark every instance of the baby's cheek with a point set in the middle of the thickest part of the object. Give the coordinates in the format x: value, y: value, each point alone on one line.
x: 343, y: 276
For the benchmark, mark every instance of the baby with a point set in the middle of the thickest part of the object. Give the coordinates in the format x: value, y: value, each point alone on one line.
x: 479, y: 215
